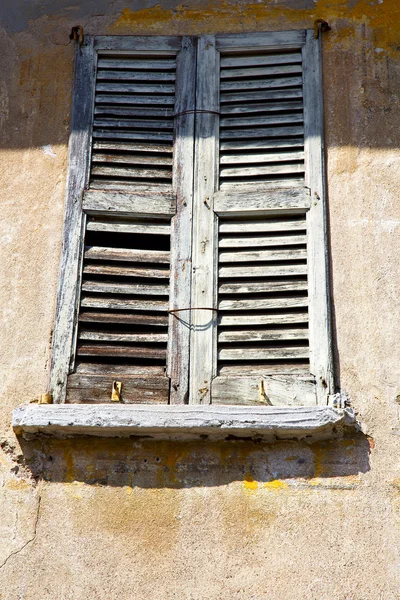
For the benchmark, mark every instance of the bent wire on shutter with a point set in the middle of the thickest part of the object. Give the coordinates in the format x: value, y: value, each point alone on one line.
x: 124, y: 300
x: 261, y: 123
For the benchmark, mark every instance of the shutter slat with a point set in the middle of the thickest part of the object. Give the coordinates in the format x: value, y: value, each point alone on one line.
x: 131, y: 172
x: 244, y: 320
x: 264, y: 120
x: 123, y: 304
x: 262, y: 255
x: 130, y: 146
x: 158, y: 112
x: 235, y: 242
x: 136, y: 88
x: 260, y: 225
x: 281, y: 270
x: 261, y: 71
x: 242, y: 109
x: 257, y: 287
x: 106, y: 74
x: 260, y: 84
x: 261, y: 132
x: 126, y: 254
x: 96, y: 388
x: 124, y: 271
x: 271, y: 157
x: 248, y: 353
x: 264, y: 170
x: 106, y: 287
x: 265, y: 335
x: 262, y: 95
x: 262, y: 303
x: 123, y: 318
x: 136, y: 99
x: 148, y: 228
x: 133, y: 123
x: 111, y: 336
x: 137, y: 64
x: 257, y: 60
x: 120, y: 351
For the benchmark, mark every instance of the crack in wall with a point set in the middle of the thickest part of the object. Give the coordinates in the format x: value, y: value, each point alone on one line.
x: 32, y: 539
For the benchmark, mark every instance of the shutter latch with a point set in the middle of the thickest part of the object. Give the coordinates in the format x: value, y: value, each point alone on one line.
x: 263, y: 394
x: 116, y: 391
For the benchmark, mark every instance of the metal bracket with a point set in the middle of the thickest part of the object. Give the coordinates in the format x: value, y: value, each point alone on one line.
x: 77, y: 34
x: 263, y: 394
x: 320, y: 25
x: 116, y: 391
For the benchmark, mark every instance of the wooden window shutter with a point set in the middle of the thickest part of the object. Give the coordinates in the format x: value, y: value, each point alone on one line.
x: 260, y: 331
x: 127, y: 236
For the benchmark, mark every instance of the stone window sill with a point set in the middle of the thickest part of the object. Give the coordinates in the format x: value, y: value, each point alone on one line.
x: 184, y: 422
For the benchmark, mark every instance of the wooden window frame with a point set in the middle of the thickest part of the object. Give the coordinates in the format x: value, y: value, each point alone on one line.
x: 197, y: 290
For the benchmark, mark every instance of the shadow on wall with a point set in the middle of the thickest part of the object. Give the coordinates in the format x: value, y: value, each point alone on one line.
x: 138, y: 462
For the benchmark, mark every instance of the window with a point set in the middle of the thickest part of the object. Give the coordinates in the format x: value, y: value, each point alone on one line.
x: 194, y: 261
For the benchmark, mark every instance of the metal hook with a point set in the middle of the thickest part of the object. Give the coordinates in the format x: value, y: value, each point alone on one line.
x: 320, y: 24
x: 77, y: 34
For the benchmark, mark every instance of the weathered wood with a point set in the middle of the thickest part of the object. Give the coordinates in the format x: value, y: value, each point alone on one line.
x: 259, y: 84
x: 186, y: 422
x: 139, y: 64
x: 203, y: 340
x: 181, y: 225
x: 113, y: 336
x: 265, y: 144
x: 259, y: 286
x: 133, y: 159
x: 134, y: 111
x: 264, y: 370
x: 262, y: 157
x: 123, y: 318
x: 262, y: 95
x: 237, y: 61
x: 272, y: 40
x: 261, y: 132
x: 281, y: 270
x: 131, y: 187
x: 243, y: 319
x: 266, y: 353
x: 248, y: 186
x: 124, y: 304
x: 227, y: 203
x: 131, y: 172
x: 114, y: 122
x: 126, y: 254
x: 321, y: 361
x: 246, y: 171
x: 277, y: 391
x: 262, y: 225
x: 121, y: 351
x: 106, y: 287
x: 134, y: 227
x: 122, y: 203
x: 114, y: 44
x: 261, y: 241
x: 157, y: 136
x: 275, y: 119
x: 79, y: 148
x: 95, y: 389
x: 129, y: 147
x: 262, y: 303
x: 115, y: 371
x: 261, y: 335
x: 262, y: 255
x: 136, y: 88
x: 247, y: 71
x: 242, y: 109
x: 135, y: 99
x: 125, y: 271
x: 107, y: 74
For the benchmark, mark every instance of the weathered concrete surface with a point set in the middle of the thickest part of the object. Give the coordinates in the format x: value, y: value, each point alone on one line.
x: 138, y: 519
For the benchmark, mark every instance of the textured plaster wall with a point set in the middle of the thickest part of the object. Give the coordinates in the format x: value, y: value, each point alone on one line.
x: 104, y: 519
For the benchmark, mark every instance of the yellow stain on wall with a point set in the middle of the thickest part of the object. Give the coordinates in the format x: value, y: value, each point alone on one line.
x: 276, y: 484
x: 249, y: 483
x: 225, y: 16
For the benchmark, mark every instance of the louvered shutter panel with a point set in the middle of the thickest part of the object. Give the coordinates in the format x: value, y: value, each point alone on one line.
x: 263, y: 225
x: 136, y: 208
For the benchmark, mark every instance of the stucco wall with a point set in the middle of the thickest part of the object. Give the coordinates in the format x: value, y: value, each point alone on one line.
x: 108, y: 519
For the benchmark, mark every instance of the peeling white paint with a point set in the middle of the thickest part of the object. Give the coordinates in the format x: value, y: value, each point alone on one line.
x: 47, y: 149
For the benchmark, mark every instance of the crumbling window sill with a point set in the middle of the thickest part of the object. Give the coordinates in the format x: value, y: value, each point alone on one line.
x: 184, y: 422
